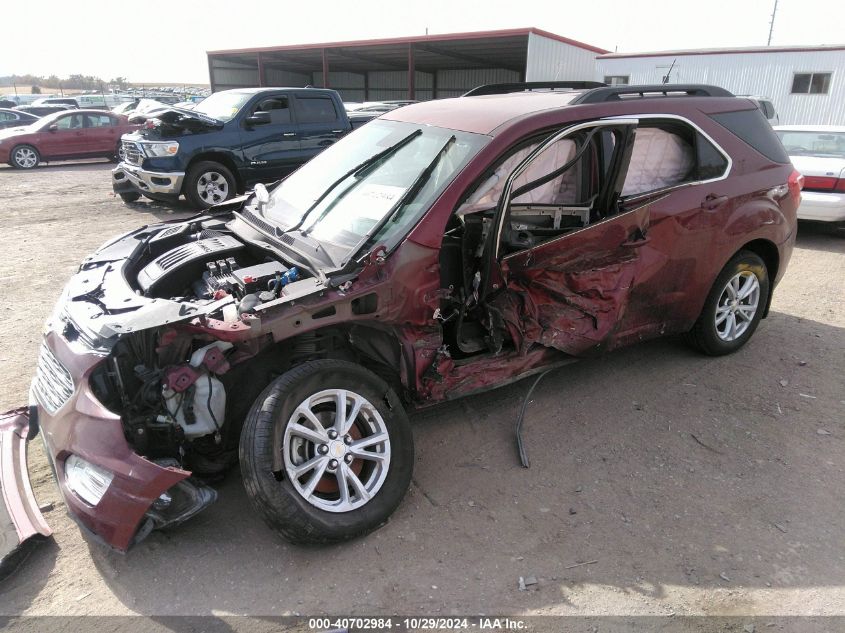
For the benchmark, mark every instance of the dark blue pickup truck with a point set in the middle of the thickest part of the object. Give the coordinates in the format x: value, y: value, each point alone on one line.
x: 228, y: 142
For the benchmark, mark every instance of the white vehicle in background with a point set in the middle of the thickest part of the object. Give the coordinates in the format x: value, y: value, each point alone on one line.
x: 767, y: 107
x: 818, y: 152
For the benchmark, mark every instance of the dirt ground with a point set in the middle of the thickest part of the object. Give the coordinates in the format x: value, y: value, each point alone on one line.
x: 661, y: 481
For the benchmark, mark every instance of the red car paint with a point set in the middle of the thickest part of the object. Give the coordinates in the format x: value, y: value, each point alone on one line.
x: 75, y: 135
x: 24, y: 524
x: 84, y: 427
x: 635, y: 275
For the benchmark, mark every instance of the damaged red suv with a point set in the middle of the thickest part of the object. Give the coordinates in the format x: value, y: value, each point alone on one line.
x: 446, y: 248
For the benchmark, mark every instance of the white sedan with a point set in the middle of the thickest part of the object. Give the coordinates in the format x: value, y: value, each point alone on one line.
x: 818, y: 152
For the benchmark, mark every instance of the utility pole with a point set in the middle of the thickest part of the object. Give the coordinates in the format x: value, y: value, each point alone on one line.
x: 772, y: 24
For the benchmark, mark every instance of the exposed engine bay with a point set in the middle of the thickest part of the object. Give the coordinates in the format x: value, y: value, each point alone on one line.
x: 169, y: 384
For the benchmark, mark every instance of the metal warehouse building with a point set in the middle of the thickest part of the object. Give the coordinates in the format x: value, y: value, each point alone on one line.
x: 806, y: 84
x: 427, y: 67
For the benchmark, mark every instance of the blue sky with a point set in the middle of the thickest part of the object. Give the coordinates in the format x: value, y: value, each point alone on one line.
x: 166, y: 41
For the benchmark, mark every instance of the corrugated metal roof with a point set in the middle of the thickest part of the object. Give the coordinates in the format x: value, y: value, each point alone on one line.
x: 727, y: 51
x: 417, y: 39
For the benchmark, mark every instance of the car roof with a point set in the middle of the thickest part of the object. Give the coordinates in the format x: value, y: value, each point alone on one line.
x: 810, y: 128
x: 253, y: 91
x: 481, y: 114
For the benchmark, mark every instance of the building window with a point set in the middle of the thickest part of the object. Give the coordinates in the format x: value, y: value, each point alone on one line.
x: 811, y: 83
x: 617, y: 80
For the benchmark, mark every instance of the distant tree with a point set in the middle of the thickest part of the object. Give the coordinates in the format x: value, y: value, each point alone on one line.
x: 36, y: 90
x: 119, y: 82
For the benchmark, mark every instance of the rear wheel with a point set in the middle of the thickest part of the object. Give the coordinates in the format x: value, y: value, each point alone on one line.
x: 118, y: 153
x: 25, y: 157
x: 326, y: 452
x: 734, y: 306
x: 209, y: 183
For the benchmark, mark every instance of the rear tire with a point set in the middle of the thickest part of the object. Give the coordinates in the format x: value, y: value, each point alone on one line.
x: 281, y: 436
x: 734, y: 306
x: 118, y: 153
x: 208, y: 183
x: 24, y: 157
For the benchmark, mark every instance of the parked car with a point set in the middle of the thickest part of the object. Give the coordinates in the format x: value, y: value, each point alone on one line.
x: 15, y: 118
x: 43, y: 110
x: 441, y: 250
x: 767, y: 107
x: 383, y: 106
x: 818, y: 152
x: 126, y: 107
x: 65, y: 101
x: 228, y: 142
x: 64, y: 135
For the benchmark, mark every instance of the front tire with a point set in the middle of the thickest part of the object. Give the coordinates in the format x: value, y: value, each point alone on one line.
x: 130, y: 196
x: 208, y: 183
x: 25, y: 157
x: 319, y: 477
x: 734, y: 306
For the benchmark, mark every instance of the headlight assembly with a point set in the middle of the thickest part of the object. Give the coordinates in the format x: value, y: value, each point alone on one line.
x: 168, y: 148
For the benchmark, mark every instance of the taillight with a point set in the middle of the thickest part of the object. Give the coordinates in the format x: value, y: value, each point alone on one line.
x: 796, y: 184
x: 820, y: 183
x: 840, y: 185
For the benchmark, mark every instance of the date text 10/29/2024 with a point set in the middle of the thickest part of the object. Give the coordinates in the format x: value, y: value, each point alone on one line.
x: 480, y: 623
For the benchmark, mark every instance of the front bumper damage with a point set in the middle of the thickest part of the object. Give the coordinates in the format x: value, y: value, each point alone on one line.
x: 128, y: 178
x: 21, y: 524
x: 76, y: 424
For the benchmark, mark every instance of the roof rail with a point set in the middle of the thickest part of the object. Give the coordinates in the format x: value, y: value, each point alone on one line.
x: 616, y: 93
x: 501, y: 89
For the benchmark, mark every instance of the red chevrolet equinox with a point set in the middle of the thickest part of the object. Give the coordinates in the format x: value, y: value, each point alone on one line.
x: 446, y: 248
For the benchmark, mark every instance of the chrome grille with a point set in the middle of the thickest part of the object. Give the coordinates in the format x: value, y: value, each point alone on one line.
x: 132, y: 153
x: 53, y: 384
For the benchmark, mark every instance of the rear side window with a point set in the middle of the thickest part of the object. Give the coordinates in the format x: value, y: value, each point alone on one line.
x: 753, y: 128
x: 315, y: 110
x: 670, y: 153
x: 99, y: 120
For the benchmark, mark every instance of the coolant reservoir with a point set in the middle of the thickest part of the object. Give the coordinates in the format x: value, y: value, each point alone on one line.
x: 205, y: 410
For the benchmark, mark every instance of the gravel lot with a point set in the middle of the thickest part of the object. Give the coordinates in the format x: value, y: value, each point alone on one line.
x: 682, y: 484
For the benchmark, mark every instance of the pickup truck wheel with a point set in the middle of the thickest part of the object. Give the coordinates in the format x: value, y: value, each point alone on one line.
x: 130, y: 196
x: 25, y: 157
x: 209, y: 183
x: 734, y: 307
x: 326, y: 452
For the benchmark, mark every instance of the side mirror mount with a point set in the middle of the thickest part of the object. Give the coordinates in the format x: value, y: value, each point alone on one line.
x: 262, y: 196
x: 53, y: 127
x: 258, y: 118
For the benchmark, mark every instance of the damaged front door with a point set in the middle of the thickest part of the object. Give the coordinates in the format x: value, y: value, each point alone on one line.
x: 566, y: 252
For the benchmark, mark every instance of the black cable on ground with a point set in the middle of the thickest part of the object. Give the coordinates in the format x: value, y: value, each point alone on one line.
x: 523, y: 455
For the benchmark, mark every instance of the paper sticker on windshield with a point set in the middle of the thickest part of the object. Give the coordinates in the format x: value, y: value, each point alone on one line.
x: 373, y: 201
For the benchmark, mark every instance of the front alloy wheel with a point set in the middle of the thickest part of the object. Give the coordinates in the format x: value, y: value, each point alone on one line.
x: 212, y: 188
x: 337, y: 450
x: 208, y: 183
x: 326, y: 452
x: 25, y: 157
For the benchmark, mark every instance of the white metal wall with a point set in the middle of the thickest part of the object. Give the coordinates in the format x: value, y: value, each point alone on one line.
x: 226, y: 75
x: 765, y: 74
x: 551, y: 60
x: 454, y: 83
